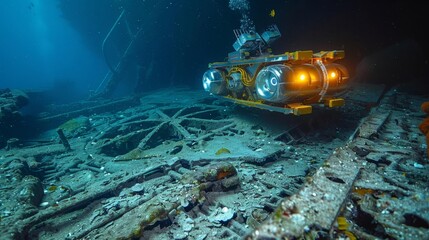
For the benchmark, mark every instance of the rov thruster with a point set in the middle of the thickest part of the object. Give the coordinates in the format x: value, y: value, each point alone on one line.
x: 290, y: 83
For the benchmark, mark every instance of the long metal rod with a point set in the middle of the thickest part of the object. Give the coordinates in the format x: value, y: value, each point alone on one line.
x: 105, y: 39
x: 120, y: 61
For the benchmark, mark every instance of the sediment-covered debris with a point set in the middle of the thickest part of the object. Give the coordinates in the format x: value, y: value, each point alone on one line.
x: 207, y: 169
x: 11, y: 101
x: 385, y: 196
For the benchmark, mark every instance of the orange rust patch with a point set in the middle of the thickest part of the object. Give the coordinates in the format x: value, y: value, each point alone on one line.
x: 363, y: 191
x: 223, y: 174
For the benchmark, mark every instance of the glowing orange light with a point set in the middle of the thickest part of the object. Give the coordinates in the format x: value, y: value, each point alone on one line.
x: 333, y: 74
x: 302, y: 77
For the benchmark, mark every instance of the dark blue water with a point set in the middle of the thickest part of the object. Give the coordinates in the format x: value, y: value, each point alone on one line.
x: 40, y: 50
x: 57, y: 44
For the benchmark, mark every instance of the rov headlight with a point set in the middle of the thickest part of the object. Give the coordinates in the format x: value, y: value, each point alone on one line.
x: 214, y: 82
x: 270, y: 83
x: 337, y: 74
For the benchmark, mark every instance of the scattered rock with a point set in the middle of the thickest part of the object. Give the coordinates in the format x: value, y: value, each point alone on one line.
x: 138, y: 188
x: 222, y: 215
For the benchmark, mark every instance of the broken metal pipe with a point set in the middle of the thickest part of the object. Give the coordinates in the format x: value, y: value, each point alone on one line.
x: 63, y: 139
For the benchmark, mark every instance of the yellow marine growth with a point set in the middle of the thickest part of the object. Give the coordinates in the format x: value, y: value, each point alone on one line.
x: 222, y: 150
x: 342, y: 223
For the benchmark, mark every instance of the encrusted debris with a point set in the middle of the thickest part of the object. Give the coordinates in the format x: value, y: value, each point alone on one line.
x: 11, y: 102
x: 152, y: 171
x: 387, y: 200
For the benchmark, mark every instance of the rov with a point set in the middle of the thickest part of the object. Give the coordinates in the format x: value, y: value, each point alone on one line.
x: 289, y: 83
